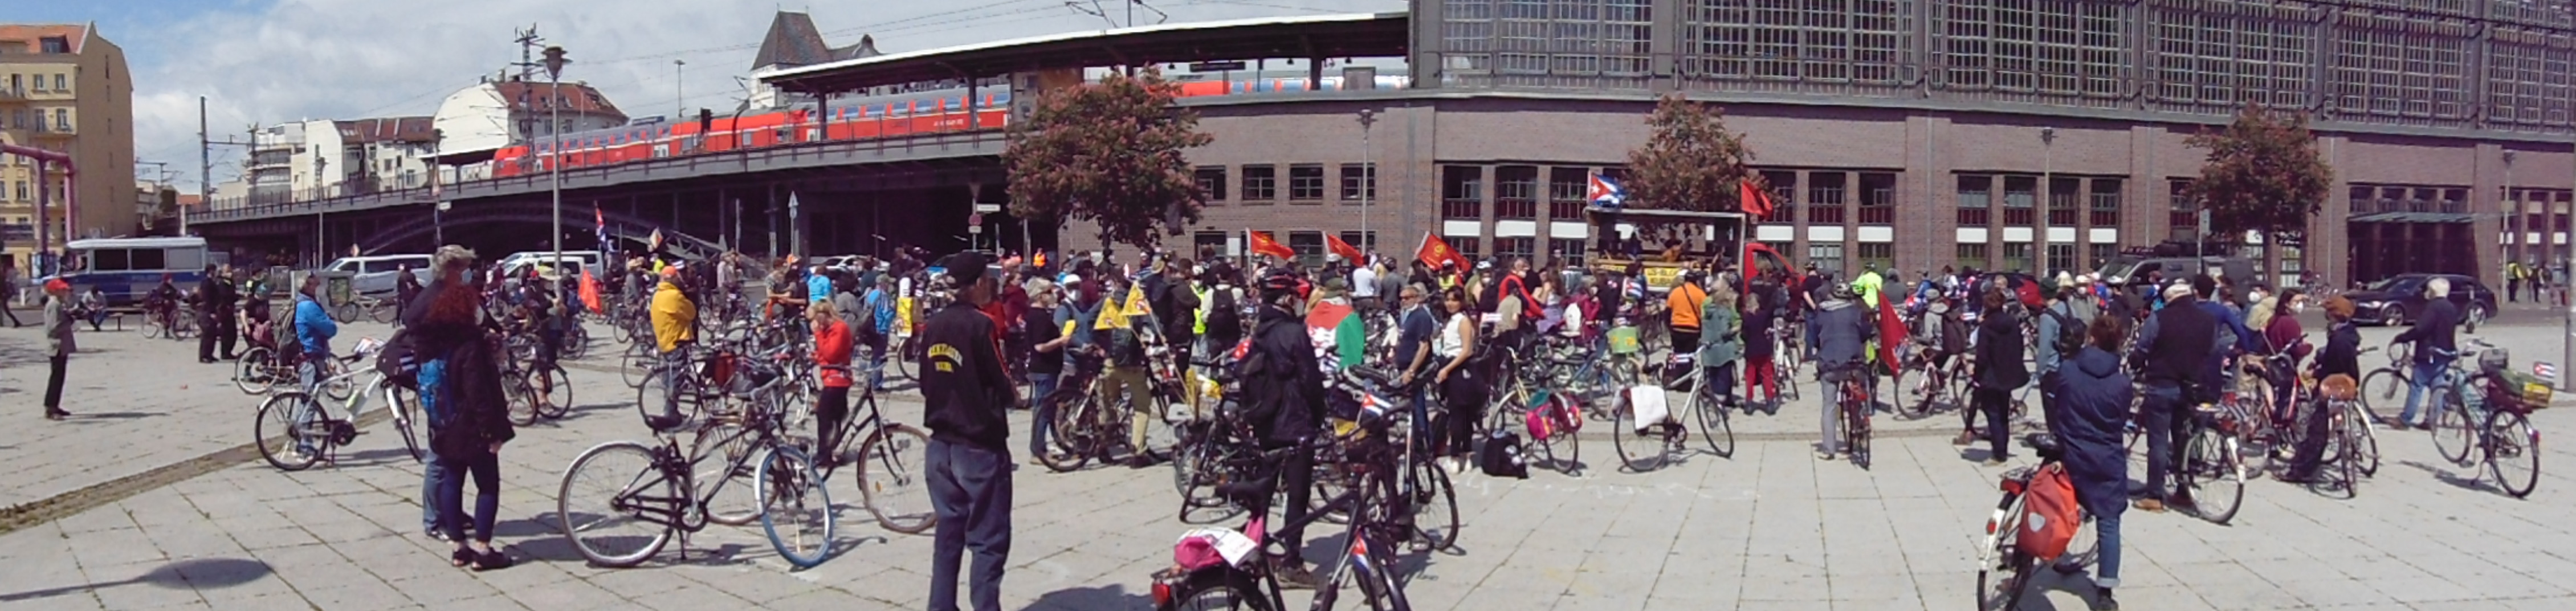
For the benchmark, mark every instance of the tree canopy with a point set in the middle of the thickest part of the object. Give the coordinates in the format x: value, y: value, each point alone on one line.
x: 2263, y: 173
x: 1110, y: 153
x: 1691, y: 162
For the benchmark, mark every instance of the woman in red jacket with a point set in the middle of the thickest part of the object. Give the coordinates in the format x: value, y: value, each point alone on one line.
x: 2283, y: 335
x: 832, y: 343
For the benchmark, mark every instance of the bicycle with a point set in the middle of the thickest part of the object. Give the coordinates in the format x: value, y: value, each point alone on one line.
x: 1089, y: 426
x: 2354, y: 449
x: 376, y: 308
x: 294, y: 431
x: 1716, y: 429
x: 1247, y: 580
x: 888, y: 463
x: 631, y: 498
x: 1853, y: 400
x: 2004, y: 571
x: 1933, y: 384
x: 2214, y: 458
x: 170, y: 320
x: 260, y: 369
x: 2500, y: 432
x: 2385, y: 387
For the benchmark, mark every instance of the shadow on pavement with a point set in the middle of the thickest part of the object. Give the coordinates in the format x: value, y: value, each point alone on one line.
x: 2471, y: 483
x: 198, y: 574
x: 1113, y: 596
x: 77, y: 417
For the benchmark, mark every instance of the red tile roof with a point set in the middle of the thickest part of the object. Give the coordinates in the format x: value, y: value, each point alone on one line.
x: 528, y: 96
x: 386, y: 129
x: 28, y: 38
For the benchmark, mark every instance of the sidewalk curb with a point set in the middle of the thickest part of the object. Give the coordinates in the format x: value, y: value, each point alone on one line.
x: 63, y: 505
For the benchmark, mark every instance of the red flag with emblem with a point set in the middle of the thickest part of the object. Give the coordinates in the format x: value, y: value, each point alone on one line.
x: 1891, y: 335
x: 1435, y: 250
x: 1345, y: 249
x: 1261, y: 244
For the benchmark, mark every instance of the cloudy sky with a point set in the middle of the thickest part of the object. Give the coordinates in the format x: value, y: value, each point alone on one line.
x: 267, y: 61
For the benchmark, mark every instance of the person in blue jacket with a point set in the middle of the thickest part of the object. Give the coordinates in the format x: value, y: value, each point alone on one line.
x: 313, y: 331
x: 2091, y: 405
x: 2218, y: 373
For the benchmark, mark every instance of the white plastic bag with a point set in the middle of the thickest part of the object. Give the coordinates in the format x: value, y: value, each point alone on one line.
x: 1648, y: 401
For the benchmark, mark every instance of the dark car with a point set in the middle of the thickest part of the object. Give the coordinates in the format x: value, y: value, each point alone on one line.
x: 2397, y: 299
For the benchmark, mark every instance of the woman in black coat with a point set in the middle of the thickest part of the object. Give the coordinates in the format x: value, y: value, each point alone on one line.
x: 1999, y: 373
x: 460, y: 383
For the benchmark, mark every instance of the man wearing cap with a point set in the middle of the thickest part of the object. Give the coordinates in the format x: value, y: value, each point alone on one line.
x: 2167, y: 356
x: 58, y: 344
x: 965, y: 393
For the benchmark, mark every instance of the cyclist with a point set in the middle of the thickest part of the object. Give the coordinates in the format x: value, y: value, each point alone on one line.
x: 1116, y: 332
x: 2091, y: 407
x: 313, y: 332
x: 1867, y: 284
x: 1684, y: 303
x: 2435, y: 346
x: 1285, y: 384
x: 2167, y: 358
x: 832, y: 367
x: 163, y: 302
x: 675, y: 327
x: 1843, y: 330
x: 2340, y: 357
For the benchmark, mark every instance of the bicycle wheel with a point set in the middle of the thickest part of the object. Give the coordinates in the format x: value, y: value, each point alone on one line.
x: 347, y: 312
x: 636, y: 365
x: 603, y: 502
x: 724, y: 473
x: 2003, y: 592
x: 522, y: 395
x: 1639, y: 451
x: 2513, y: 452
x: 2451, y: 432
x: 2216, y: 475
x: 1437, y: 501
x: 338, y: 387
x: 406, y: 420
x: 1219, y: 589
x: 901, y: 359
x: 1916, y: 400
x: 2383, y: 388
x: 278, y: 435
x: 251, y: 371
x: 2366, y: 444
x: 795, y: 509
x: 1715, y: 425
x: 1787, y: 374
x: 153, y: 328
x: 1071, y: 437
x: 556, y: 387
x: 184, y: 328
x: 1856, y: 429
x: 382, y: 311
x: 1560, y: 448
x: 890, y: 468
x: 2345, y: 440
x: 650, y: 398
x: 576, y: 342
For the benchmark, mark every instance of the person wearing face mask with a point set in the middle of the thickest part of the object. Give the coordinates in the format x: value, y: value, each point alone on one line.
x: 2282, y: 335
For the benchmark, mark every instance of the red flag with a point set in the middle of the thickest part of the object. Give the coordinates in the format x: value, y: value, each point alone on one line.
x: 590, y: 291
x: 1891, y: 335
x: 1261, y: 244
x: 1348, y: 252
x: 1751, y: 199
x: 1435, y: 250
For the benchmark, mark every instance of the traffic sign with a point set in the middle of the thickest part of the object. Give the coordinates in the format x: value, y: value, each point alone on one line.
x: 975, y: 220
x: 984, y: 207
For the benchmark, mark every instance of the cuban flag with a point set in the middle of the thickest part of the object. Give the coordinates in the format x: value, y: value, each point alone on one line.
x: 1605, y: 193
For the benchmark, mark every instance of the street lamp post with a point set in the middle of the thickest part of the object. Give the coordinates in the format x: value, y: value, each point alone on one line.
x: 554, y: 107
x: 1368, y: 179
x: 679, y: 84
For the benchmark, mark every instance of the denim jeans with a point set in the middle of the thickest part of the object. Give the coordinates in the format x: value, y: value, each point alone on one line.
x: 1041, y: 410
x: 2164, y: 418
x: 970, y: 490
x: 672, y: 363
x: 876, y: 361
x: 432, y: 471
x: 485, y: 468
x: 2105, y: 499
x: 2421, y: 376
x: 308, y: 376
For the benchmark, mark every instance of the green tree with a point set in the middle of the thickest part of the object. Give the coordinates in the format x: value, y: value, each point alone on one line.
x: 1690, y: 162
x: 1108, y: 153
x: 2263, y: 174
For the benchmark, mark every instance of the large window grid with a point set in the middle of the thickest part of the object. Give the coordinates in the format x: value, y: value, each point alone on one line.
x: 2399, y: 72
x: 1972, y: 254
x: 1783, y: 187
x: 1359, y: 183
x: 1770, y: 43
x: 1211, y: 181
x: 1305, y: 182
x: 2069, y: 51
x: 2061, y: 257
x: 1462, y: 193
x: 2016, y: 257
x: 1550, y: 43
x: 2553, y: 13
x: 2182, y: 212
x: 1260, y: 184
x: 2528, y: 78
x: 2063, y: 193
x: 2215, y: 60
x: 1880, y: 254
x: 1515, y: 248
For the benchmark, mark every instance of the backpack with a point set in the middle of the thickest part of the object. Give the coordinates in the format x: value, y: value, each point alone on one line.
x: 2050, y: 515
x: 398, y: 363
x: 1500, y: 455
x: 2070, y: 333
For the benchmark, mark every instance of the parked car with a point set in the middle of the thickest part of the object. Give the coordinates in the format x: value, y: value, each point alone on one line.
x: 2398, y: 299
x: 374, y: 275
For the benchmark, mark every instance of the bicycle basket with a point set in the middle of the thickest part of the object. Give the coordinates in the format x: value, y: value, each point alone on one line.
x: 1623, y: 340
x: 2517, y: 392
x: 2493, y: 359
x: 2339, y: 387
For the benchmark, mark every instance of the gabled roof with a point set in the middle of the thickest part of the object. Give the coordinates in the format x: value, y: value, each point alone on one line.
x: 525, y: 96
x: 386, y: 129
x: 793, y: 41
x: 29, y: 38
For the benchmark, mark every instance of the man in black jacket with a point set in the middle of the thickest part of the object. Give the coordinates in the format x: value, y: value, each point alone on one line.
x: 1842, y: 329
x: 1286, y: 386
x: 2169, y: 351
x: 215, y: 321
x: 2436, y: 345
x: 969, y: 468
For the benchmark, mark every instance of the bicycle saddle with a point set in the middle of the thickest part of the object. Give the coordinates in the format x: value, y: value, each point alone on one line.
x: 2045, y: 445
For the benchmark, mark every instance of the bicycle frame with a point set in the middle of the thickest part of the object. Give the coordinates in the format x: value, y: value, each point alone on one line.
x: 671, y: 464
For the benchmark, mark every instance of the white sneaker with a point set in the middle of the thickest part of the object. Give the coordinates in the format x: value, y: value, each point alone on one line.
x: 1457, y: 466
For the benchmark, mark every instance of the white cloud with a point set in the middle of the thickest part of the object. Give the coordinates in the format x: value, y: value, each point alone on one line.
x: 341, y: 59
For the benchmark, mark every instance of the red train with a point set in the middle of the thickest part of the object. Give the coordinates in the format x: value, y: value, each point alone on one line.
x: 876, y: 117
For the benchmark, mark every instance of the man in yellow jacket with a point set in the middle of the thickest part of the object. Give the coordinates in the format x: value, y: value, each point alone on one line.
x: 675, y: 326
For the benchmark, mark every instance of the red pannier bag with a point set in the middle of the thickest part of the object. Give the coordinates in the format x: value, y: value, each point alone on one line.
x: 2050, y: 514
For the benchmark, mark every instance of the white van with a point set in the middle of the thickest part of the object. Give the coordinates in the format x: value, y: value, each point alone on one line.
x: 374, y: 275
x: 589, y: 258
